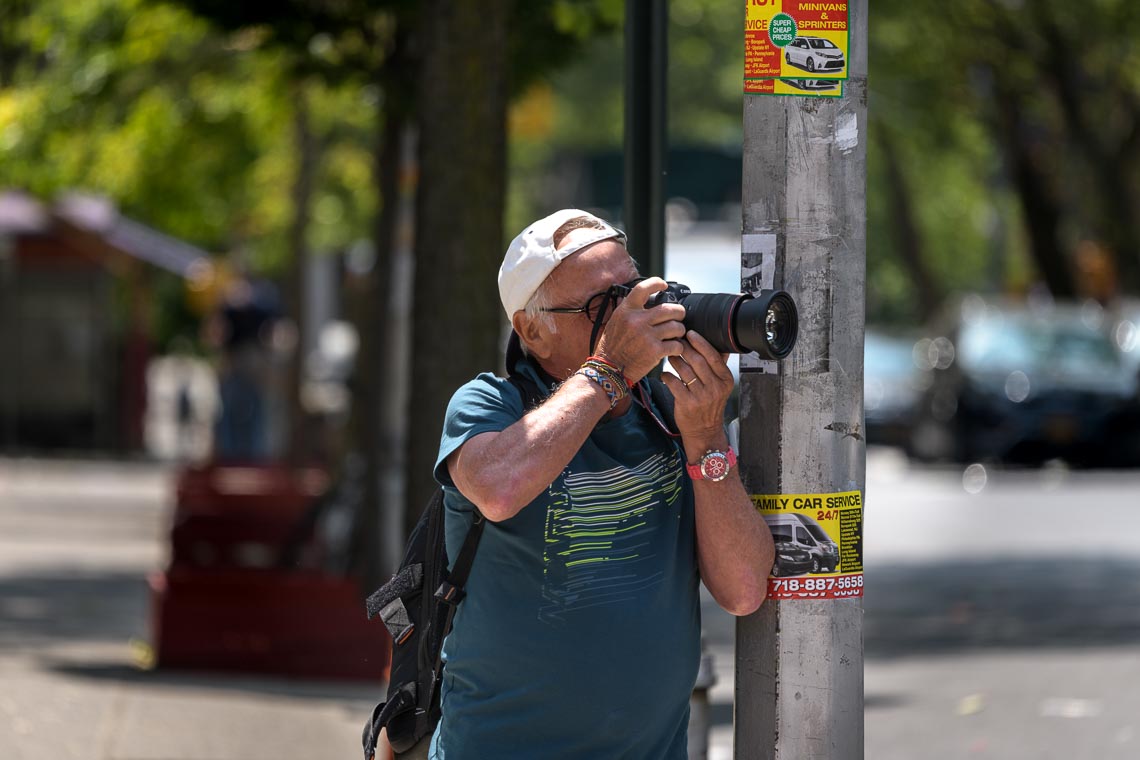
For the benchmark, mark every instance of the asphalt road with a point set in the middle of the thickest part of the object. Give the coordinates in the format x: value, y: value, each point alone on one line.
x: 1002, y: 621
x: 1002, y: 614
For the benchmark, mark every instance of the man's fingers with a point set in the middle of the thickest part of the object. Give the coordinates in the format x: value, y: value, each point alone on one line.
x: 673, y: 347
x: 666, y: 312
x: 669, y: 331
x: 673, y: 383
x: 643, y: 290
x: 716, y: 362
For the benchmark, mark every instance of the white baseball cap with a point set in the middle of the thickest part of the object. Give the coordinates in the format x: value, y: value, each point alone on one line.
x: 532, y: 255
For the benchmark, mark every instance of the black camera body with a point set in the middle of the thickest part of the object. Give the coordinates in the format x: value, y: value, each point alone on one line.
x: 767, y: 323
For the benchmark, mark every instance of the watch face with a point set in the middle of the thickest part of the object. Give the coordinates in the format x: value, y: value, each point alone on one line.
x: 714, y: 466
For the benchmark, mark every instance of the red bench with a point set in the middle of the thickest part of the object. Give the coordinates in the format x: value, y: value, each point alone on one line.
x: 227, y: 603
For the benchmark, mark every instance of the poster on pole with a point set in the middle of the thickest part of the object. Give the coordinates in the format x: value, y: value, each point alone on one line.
x: 819, y: 544
x: 795, y: 39
x: 819, y: 88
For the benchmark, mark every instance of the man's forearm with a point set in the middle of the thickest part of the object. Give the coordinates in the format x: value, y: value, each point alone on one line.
x: 503, y: 472
x: 734, y: 546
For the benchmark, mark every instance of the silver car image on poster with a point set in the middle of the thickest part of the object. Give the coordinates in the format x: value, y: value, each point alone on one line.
x: 814, y: 54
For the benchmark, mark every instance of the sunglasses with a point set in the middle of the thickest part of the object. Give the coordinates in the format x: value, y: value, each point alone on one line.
x: 600, y: 305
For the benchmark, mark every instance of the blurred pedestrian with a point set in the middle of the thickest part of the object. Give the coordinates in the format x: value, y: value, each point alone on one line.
x: 241, y: 329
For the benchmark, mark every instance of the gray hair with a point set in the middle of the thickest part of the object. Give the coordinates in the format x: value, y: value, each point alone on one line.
x: 536, y: 308
x: 540, y: 300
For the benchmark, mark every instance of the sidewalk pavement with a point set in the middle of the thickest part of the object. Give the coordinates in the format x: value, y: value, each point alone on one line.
x: 77, y: 540
x: 1020, y: 661
x: 76, y: 543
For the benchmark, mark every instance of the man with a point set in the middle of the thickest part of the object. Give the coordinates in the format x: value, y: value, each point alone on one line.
x: 580, y: 633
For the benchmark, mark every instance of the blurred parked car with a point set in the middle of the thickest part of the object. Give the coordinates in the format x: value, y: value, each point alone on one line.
x: 1022, y: 384
x: 1125, y: 330
x: 892, y: 387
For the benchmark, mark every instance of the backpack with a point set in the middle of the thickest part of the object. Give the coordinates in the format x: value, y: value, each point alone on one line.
x: 419, y: 603
x: 417, y: 606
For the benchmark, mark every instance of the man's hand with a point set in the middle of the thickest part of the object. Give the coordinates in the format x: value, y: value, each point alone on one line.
x: 701, y: 388
x: 636, y: 338
x: 734, y: 546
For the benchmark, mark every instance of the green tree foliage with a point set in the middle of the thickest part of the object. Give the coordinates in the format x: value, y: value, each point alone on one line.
x: 1017, y: 128
x: 1010, y: 129
x: 185, y: 128
x: 579, y: 109
x: 447, y: 70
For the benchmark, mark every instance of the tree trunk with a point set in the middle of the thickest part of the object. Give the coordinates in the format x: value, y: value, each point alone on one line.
x: 370, y: 382
x: 377, y: 433
x: 297, y: 451
x: 1107, y: 157
x: 459, y: 236
x: 908, y: 239
x: 373, y: 555
x: 13, y: 50
x: 1033, y: 184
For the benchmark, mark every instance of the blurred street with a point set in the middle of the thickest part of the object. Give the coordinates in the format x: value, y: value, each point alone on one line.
x: 295, y: 304
x: 1002, y: 621
x: 76, y: 543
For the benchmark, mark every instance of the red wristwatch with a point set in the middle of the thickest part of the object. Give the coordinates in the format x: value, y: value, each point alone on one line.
x: 714, y: 465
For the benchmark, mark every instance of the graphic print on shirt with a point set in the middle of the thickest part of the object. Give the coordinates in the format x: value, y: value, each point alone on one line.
x: 598, y: 548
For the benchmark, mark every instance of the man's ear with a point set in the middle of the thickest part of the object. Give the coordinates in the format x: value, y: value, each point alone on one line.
x: 533, y: 334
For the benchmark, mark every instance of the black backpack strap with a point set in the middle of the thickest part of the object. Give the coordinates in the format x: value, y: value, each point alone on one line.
x: 404, y: 699
x: 403, y: 582
x: 451, y: 590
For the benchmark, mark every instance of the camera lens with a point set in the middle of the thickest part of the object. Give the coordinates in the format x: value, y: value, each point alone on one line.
x: 737, y: 324
x: 768, y: 324
x: 710, y: 315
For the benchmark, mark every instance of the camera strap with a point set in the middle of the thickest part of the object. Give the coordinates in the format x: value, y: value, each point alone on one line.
x: 613, y: 293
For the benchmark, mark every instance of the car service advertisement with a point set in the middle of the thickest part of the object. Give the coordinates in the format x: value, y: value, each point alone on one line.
x: 796, y: 39
x: 819, y: 544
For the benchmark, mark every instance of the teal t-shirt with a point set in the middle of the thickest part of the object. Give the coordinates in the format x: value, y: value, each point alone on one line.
x: 580, y: 633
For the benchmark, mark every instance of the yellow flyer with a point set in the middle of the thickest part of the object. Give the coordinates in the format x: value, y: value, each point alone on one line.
x: 819, y: 544
x: 820, y: 88
x: 796, y: 39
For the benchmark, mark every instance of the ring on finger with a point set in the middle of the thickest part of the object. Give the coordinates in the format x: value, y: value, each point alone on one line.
x: 688, y: 383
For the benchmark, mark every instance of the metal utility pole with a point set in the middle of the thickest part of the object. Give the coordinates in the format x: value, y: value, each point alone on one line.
x: 799, y: 659
x: 646, y: 41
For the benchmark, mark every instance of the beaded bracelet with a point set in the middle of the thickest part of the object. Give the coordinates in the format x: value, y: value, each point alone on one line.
x: 616, y: 370
x: 608, y: 370
x: 614, y: 391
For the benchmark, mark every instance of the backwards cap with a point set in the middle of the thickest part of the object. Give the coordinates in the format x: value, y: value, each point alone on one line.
x: 532, y: 255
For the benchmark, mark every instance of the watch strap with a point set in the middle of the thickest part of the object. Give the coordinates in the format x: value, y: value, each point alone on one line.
x: 720, y: 462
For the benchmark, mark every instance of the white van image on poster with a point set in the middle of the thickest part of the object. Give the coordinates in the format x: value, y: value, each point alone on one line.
x: 798, y: 529
x: 814, y: 54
